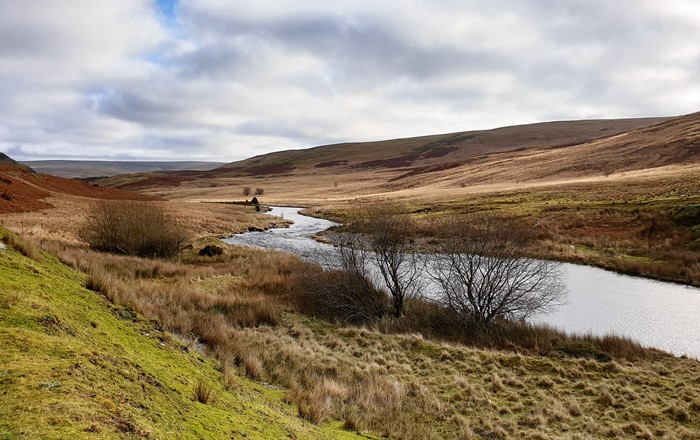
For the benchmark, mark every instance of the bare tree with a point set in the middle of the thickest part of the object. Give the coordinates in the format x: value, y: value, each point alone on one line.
x: 259, y: 191
x: 389, y: 233
x: 246, y: 191
x: 484, y: 276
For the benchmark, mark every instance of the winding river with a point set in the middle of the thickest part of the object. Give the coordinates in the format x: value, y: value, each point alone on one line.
x: 657, y: 314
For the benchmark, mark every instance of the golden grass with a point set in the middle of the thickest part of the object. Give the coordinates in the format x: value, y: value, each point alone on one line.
x: 413, y: 378
x: 386, y: 378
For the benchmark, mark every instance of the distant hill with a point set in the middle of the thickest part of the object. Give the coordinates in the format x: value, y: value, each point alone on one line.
x: 455, y: 162
x: 446, y: 150
x: 8, y: 161
x: 85, y: 169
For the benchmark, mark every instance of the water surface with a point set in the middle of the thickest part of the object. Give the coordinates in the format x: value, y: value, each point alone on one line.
x: 657, y: 314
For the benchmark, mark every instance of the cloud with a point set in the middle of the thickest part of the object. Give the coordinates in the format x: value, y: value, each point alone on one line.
x: 205, y: 79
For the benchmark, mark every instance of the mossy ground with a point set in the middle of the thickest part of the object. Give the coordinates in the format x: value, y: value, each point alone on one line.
x: 74, y: 365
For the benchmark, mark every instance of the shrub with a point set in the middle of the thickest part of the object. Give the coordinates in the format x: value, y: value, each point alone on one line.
x: 210, y: 250
x: 132, y: 228
x: 341, y: 295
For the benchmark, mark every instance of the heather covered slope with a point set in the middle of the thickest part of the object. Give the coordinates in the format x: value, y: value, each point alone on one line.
x: 22, y: 190
x: 7, y: 160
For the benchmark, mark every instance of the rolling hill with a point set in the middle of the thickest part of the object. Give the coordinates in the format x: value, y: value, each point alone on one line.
x: 85, y: 168
x: 453, y: 163
x: 439, y: 150
x: 22, y: 189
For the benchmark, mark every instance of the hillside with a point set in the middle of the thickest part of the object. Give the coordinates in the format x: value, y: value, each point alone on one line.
x: 75, y: 365
x: 23, y: 190
x: 6, y: 160
x: 86, y: 169
x: 438, y: 150
x: 78, y: 364
x: 371, y: 167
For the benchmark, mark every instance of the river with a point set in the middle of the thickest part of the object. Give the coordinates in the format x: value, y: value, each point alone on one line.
x: 657, y: 314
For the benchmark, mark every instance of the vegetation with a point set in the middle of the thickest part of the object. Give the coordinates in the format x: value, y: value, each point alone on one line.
x: 133, y: 228
x: 75, y: 365
x: 484, y: 275
x: 249, y: 310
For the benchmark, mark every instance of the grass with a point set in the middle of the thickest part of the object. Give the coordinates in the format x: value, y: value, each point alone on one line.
x: 241, y: 314
x: 74, y: 365
x: 416, y: 378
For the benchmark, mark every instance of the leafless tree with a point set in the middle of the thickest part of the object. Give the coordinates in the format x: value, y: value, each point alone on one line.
x: 246, y: 191
x: 259, y: 191
x: 389, y: 231
x: 484, y: 276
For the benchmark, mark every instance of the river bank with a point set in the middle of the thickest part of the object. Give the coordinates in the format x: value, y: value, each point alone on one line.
x: 657, y: 314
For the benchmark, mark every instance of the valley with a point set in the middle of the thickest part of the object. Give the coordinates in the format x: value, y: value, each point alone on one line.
x: 257, y: 358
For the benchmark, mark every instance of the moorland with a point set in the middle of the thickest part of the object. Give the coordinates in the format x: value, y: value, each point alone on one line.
x: 100, y: 345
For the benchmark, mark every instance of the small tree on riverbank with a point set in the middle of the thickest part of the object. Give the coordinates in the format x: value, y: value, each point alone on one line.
x: 389, y: 233
x: 380, y: 252
x: 484, y: 275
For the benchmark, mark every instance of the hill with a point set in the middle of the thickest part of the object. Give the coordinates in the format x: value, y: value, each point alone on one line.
x: 447, y: 150
x: 75, y: 365
x: 6, y: 160
x: 22, y: 190
x: 85, y: 169
x: 369, y: 167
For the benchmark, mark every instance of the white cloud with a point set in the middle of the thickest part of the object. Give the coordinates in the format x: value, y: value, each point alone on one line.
x: 224, y: 80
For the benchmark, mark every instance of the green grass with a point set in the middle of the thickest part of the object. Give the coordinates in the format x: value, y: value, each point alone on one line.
x: 74, y: 365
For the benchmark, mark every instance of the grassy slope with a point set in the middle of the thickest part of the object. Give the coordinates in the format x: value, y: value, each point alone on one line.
x: 74, y: 365
x: 447, y: 147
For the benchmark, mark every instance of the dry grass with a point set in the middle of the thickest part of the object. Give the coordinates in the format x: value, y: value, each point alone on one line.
x: 202, y: 391
x: 22, y: 246
x: 413, y: 378
x: 387, y: 379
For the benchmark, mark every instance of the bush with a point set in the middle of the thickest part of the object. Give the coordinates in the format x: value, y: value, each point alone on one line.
x: 340, y: 295
x: 132, y: 228
x: 210, y: 250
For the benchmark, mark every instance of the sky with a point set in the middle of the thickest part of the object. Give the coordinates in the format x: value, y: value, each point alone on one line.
x: 224, y: 80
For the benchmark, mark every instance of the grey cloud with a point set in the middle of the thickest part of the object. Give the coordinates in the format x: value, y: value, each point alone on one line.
x: 224, y: 82
x: 136, y: 108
